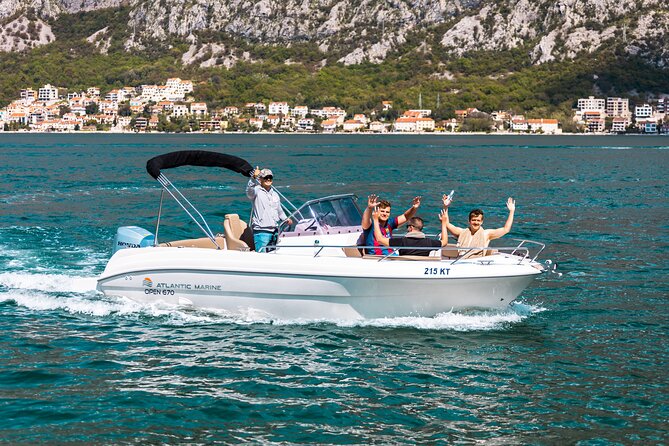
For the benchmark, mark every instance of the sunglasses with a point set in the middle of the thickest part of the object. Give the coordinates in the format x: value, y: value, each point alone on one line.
x: 268, y: 178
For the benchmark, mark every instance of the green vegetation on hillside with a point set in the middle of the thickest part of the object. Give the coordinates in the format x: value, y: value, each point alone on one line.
x: 488, y: 81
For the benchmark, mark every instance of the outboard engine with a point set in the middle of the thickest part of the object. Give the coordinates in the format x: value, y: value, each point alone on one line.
x: 133, y: 237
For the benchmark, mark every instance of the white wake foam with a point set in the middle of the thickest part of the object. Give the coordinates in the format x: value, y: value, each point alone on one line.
x: 48, y: 282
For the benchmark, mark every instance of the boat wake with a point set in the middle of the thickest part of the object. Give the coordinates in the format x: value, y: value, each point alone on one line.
x: 76, y: 295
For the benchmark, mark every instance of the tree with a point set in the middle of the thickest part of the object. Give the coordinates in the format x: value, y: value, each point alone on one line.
x: 92, y: 108
x: 124, y: 109
x: 63, y: 109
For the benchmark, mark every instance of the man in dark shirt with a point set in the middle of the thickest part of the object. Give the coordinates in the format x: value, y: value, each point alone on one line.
x: 414, y: 237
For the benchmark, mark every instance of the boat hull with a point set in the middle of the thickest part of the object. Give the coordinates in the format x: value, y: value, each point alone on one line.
x: 290, y: 287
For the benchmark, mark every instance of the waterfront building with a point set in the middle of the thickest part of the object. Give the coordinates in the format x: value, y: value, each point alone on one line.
x: 644, y: 111
x: 543, y: 125
x: 405, y: 124
x: 329, y: 125
x: 361, y: 117
x: 519, y: 124
x: 377, y: 127
x: 179, y: 110
x: 278, y: 108
x: 619, y: 125
x: 93, y: 92
x: 617, y: 107
x: 591, y: 104
x: 353, y: 125
x: 198, y: 109
x: 306, y: 124
x: 256, y: 122
x: 424, y: 125
x: 210, y: 126
x: 595, y: 125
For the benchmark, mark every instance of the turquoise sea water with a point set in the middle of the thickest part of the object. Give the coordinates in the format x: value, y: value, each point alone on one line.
x: 581, y: 359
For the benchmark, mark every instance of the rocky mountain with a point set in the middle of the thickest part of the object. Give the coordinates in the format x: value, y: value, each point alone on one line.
x: 357, y: 31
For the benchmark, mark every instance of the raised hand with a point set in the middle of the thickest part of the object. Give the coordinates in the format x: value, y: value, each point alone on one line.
x: 511, y: 204
x: 372, y: 201
x: 416, y: 201
x: 446, y: 200
x: 443, y: 215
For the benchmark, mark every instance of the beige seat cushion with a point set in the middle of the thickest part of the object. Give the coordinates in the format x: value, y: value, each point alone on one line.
x: 238, y: 236
x: 203, y: 242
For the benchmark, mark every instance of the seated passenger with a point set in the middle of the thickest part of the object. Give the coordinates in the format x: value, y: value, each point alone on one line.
x: 474, y: 235
x: 386, y: 224
x: 414, y: 238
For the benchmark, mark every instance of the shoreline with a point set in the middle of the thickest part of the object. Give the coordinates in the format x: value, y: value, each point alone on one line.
x: 96, y: 132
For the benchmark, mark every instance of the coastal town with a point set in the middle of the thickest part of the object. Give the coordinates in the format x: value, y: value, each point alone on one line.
x: 171, y: 108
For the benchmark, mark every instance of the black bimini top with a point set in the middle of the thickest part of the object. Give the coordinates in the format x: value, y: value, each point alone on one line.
x: 202, y: 158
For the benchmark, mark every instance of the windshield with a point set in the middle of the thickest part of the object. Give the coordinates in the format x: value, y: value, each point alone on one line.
x: 325, y: 214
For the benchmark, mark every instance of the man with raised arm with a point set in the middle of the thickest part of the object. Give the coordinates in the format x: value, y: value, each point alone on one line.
x: 267, y: 211
x: 414, y: 238
x: 386, y: 224
x: 474, y: 235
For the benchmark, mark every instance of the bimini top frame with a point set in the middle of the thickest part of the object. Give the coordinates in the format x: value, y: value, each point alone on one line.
x: 192, y: 158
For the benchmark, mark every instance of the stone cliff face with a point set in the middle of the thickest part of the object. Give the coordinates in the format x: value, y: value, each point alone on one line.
x: 367, y: 30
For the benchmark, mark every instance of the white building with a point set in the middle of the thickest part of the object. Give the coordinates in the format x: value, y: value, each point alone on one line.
x: 353, y: 125
x: 547, y: 126
x: 424, y: 125
x: 47, y: 93
x: 644, y: 111
x: 519, y: 124
x: 405, y: 124
x: 377, y: 127
x: 591, y: 104
x: 28, y: 95
x: 180, y: 110
x: 198, y: 109
x: 300, y: 111
x: 424, y: 113
x: 279, y: 108
x: 306, y: 124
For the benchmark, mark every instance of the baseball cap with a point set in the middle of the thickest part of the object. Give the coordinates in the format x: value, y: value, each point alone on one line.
x: 265, y: 173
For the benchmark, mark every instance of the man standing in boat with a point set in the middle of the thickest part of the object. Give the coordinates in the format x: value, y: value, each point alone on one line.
x: 386, y: 224
x: 267, y: 210
x: 474, y: 235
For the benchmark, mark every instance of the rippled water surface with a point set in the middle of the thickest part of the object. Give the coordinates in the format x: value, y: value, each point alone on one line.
x: 580, y: 359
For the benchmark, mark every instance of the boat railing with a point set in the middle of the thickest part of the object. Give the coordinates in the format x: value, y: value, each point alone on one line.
x: 392, y: 252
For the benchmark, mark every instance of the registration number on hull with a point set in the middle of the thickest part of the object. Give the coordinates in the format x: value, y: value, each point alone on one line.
x: 437, y: 271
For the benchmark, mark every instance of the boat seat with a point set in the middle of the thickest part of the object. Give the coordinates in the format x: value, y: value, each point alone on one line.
x: 407, y: 257
x: 450, y: 252
x: 352, y: 251
x: 238, y: 236
x: 203, y: 242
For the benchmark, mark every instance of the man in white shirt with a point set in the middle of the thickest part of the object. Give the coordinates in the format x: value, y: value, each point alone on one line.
x: 267, y: 210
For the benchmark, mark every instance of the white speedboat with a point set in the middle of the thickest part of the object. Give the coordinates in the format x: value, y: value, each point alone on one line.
x: 316, y: 270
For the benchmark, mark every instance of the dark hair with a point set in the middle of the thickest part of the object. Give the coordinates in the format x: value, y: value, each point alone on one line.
x: 384, y: 204
x: 475, y: 213
x: 416, y: 222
